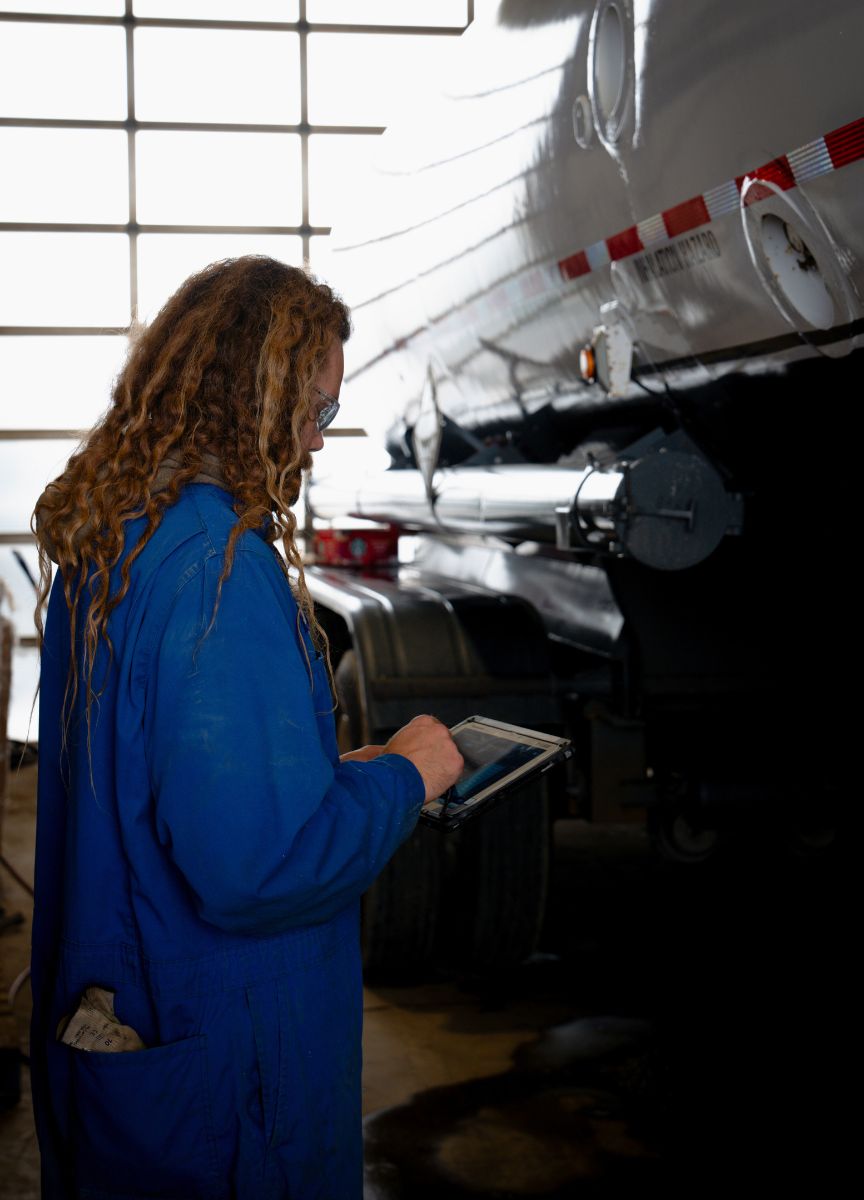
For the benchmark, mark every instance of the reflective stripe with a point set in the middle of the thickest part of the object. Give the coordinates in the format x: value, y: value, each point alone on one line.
x: 836, y: 149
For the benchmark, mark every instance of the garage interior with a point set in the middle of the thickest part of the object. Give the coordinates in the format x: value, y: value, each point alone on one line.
x: 683, y: 1021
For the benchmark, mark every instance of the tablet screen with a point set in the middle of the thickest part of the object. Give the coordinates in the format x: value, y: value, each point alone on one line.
x: 487, y: 759
x: 498, y: 758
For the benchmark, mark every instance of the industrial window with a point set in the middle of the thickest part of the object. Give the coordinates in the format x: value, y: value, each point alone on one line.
x: 140, y: 140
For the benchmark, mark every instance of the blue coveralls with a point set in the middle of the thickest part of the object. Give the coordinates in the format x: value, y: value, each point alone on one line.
x: 209, y: 875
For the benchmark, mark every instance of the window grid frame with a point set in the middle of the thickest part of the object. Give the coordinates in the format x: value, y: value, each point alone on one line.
x: 132, y: 126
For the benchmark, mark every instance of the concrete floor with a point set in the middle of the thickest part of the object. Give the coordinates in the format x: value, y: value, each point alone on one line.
x: 680, y: 1029
x: 19, y: 1157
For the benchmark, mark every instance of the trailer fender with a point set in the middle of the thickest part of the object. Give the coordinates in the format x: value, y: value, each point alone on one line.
x: 426, y: 646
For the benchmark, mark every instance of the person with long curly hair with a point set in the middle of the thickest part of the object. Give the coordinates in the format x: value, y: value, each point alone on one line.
x: 201, y: 846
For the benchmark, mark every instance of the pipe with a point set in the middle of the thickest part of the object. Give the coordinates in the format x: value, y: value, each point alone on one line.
x: 507, y: 500
x: 667, y: 509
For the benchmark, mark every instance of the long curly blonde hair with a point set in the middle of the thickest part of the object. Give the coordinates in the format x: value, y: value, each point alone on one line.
x: 225, y: 371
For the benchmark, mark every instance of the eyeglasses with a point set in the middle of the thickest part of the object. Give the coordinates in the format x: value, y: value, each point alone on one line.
x: 325, y: 415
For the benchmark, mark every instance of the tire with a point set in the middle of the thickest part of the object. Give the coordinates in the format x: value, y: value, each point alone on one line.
x: 351, y: 726
x: 679, y: 838
x: 678, y: 828
x: 400, y: 909
x: 400, y: 912
x: 500, y: 883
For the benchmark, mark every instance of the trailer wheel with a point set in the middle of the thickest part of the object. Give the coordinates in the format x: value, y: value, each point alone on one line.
x: 681, y: 839
x: 500, y: 884
x: 400, y: 909
x: 678, y: 828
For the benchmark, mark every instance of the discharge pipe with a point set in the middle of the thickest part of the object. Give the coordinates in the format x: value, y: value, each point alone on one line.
x: 667, y: 509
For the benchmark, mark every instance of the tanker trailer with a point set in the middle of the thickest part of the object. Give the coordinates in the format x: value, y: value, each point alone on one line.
x: 608, y: 324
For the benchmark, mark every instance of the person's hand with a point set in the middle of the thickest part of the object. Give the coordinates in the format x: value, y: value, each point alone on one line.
x: 430, y: 747
x: 364, y: 754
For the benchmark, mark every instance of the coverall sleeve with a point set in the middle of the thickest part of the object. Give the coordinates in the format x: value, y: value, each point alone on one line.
x: 268, y: 831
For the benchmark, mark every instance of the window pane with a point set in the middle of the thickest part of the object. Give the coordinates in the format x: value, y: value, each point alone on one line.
x: 41, y: 71
x: 19, y: 585
x: 217, y: 75
x: 219, y: 10
x: 321, y: 258
x: 377, y: 74
x: 57, y: 382
x: 64, y: 279
x: 166, y: 259
x: 84, y: 8
x: 69, y: 175
x: 218, y: 178
x: 329, y: 266
x: 388, y: 12
x: 23, y: 714
x: 25, y: 469
x: 348, y: 456
x: 336, y: 165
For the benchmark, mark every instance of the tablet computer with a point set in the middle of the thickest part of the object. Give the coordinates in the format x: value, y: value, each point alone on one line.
x: 498, y: 759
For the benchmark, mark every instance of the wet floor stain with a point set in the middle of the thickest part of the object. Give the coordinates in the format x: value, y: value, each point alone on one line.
x: 705, y: 1055
x: 572, y: 1117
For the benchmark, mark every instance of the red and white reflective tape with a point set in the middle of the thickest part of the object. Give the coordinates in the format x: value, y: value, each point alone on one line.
x: 825, y: 154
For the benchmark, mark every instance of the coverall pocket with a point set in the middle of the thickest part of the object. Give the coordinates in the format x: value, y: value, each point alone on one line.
x: 266, y: 1008
x: 141, y: 1124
